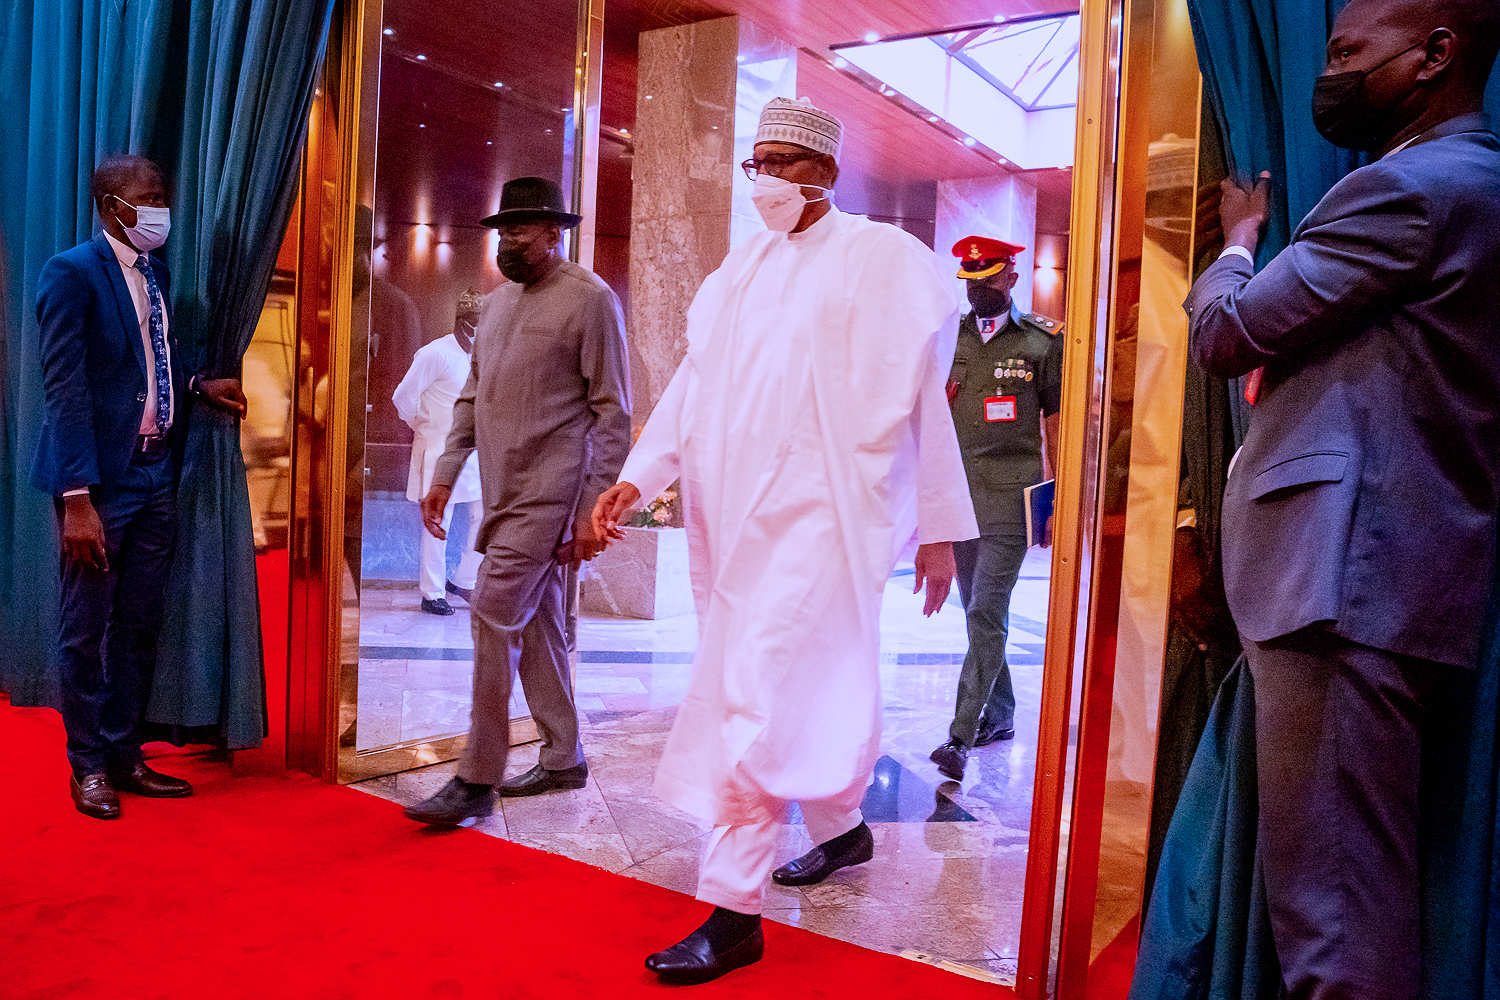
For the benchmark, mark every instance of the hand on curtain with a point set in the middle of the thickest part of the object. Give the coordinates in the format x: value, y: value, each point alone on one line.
x: 1244, y: 211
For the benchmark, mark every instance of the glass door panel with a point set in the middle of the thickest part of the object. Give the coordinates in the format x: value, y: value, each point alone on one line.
x: 465, y: 102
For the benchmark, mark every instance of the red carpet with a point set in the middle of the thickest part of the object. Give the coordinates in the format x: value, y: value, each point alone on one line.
x: 285, y: 887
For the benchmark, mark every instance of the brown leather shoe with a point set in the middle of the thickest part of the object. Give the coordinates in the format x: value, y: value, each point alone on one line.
x: 141, y: 780
x: 93, y: 797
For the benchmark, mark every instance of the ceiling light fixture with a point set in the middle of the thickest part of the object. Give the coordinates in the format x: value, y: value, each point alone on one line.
x: 968, y: 140
x: 932, y: 118
x: 871, y: 36
x: 499, y: 83
x: 390, y: 31
x: 839, y: 62
x: 421, y: 57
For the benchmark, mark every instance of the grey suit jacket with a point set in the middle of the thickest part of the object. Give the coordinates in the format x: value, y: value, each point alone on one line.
x: 1366, y: 491
x: 548, y: 406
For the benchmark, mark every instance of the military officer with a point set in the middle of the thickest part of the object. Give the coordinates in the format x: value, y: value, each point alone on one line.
x: 1004, y: 389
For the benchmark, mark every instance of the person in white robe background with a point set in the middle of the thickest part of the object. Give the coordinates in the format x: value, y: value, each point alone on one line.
x: 424, y: 399
x: 809, y: 426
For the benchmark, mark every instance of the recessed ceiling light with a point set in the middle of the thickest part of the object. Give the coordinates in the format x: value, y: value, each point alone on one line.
x: 490, y: 143
x: 840, y: 62
x: 648, y: 97
x: 421, y: 126
x: 740, y: 57
x: 390, y: 31
x: 421, y: 58
x: 872, y: 36
x: 499, y: 84
x: 999, y: 18
x: 968, y: 140
x: 932, y: 118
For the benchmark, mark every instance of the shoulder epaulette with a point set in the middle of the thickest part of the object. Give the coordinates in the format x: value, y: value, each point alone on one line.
x: 1047, y: 323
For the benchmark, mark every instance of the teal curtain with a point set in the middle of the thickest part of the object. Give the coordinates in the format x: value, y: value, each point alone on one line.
x: 78, y: 81
x: 1206, y: 930
x: 218, y: 92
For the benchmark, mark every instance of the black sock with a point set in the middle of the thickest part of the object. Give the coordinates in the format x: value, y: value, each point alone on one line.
x: 844, y: 841
x: 471, y: 789
x: 727, y: 928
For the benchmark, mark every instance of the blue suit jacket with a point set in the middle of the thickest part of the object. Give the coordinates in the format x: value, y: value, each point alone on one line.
x: 93, y: 368
x: 1366, y: 491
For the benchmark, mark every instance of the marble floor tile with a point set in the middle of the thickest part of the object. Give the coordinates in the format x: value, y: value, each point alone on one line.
x: 935, y: 931
x: 581, y: 810
x: 602, y: 850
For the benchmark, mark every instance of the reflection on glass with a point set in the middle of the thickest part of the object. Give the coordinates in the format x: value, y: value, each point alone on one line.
x: 465, y: 103
x: 268, y: 375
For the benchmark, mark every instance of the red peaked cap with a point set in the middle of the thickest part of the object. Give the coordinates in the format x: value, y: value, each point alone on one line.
x: 981, y: 256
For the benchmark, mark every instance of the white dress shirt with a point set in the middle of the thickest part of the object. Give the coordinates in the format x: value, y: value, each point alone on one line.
x: 141, y: 296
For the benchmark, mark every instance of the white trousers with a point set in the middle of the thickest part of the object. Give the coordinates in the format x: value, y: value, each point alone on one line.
x: 738, y: 859
x: 432, y: 568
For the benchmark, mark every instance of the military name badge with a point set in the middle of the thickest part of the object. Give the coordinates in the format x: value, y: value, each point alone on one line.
x: 1000, y: 408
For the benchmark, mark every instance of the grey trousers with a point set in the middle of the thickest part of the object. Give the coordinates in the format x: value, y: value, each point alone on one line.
x: 987, y: 571
x: 1339, y: 752
x: 517, y: 615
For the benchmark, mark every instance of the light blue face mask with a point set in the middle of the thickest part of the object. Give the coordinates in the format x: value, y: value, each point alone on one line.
x: 151, y: 226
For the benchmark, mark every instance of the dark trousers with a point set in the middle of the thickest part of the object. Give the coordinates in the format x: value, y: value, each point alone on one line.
x: 987, y: 571
x: 109, y: 620
x: 517, y: 617
x: 1339, y: 752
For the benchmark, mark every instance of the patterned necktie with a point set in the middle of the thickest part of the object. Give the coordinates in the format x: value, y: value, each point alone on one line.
x: 158, y: 347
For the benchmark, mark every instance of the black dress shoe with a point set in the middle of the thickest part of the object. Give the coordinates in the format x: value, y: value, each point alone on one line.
x: 539, y: 780
x: 454, y: 802
x: 437, y: 607
x: 853, y: 848
x: 992, y: 733
x: 141, y: 780
x: 693, y: 960
x: 93, y: 797
x: 951, y: 758
x: 466, y: 593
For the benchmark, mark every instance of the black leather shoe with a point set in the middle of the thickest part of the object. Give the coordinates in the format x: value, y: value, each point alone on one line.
x: 821, y: 862
x: 454, y: 802
x: 141, y: 780
x: 437, y: 607
x: 951, y: 758
x: 465, y: 592
x: 992, y: 734
x: 693, y: 960
x: 539, y: 780
x: 93, y: 797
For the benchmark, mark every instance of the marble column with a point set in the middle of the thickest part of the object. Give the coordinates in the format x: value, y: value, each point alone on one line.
x: 699, y: 93
x: 1002, y: 207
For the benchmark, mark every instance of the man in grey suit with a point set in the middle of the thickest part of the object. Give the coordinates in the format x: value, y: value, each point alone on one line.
x: 1360, y: 515
x: 547, y: 405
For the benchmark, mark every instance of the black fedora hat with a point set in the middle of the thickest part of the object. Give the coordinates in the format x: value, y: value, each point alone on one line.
x: 531, y: 199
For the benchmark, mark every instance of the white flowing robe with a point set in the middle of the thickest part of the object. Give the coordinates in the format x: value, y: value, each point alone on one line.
x: 811, y: 431
x: 425, y: 399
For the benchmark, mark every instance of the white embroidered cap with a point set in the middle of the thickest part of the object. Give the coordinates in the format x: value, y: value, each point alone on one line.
x: 800, y: 123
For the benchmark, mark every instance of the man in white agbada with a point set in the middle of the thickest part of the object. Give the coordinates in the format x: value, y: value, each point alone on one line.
x: 810, y: 429
x: 425, y: 399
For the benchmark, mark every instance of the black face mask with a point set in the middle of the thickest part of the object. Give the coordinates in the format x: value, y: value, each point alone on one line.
x: 1343, y: 114
x: 988, y: 301
x: 512, y: 264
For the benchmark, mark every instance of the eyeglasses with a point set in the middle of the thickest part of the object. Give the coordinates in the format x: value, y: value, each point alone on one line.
x: 773, y: 163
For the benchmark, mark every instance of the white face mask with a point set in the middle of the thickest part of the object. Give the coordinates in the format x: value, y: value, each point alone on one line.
x: 151, y: 226
x: 780, y: 202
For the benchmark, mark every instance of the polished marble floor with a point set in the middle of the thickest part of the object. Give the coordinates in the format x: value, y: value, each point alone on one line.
x: 945, y: 885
